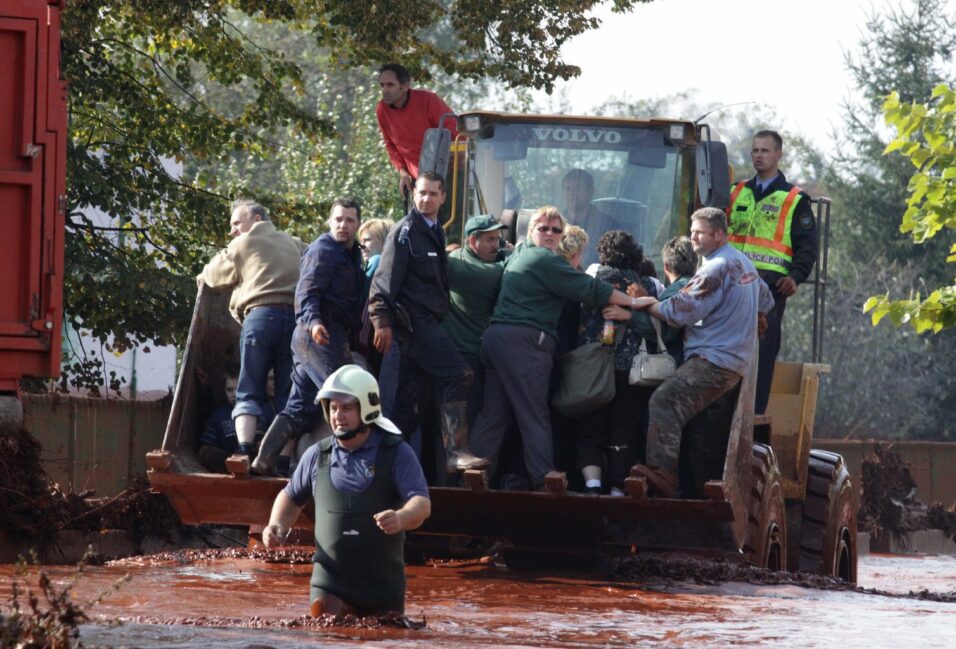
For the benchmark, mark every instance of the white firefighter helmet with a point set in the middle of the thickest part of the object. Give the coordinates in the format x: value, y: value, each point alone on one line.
x: 352, y: 382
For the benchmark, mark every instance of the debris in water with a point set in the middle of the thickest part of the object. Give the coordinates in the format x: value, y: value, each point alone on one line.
x: 292, y: 555
x: 675, y: 567
x: 49, y: 618
x: 28, y: 509
x: 941, y: 518
x: 890, y: 502
x: 33, y: 510
x: 393, y: 620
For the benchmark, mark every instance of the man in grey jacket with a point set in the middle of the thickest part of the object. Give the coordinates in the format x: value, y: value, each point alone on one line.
x: 719, y: 312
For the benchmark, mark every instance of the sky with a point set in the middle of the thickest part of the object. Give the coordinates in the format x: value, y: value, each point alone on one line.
x: 723, y: 49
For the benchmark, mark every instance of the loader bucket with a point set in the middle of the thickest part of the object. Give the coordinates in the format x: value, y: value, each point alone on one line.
x: 561, y: 525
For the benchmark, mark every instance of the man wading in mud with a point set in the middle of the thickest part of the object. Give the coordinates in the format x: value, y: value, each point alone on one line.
x: 368, y: 488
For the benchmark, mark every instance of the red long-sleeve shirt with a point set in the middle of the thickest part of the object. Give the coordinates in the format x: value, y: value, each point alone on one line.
x: 403, y: 128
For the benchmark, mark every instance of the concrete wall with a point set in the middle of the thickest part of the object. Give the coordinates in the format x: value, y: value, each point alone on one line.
x: 95, y: 444
x: 932, y: 464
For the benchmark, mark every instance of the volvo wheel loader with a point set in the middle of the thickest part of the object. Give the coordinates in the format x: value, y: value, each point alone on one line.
x: 778, y: 503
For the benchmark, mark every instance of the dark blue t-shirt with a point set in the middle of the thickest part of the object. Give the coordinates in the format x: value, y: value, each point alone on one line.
x: 352, y: 472
x: 220, y: 430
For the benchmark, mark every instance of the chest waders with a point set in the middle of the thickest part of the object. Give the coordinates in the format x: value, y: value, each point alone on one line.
x: 354, y: 559
x: 761, y: 229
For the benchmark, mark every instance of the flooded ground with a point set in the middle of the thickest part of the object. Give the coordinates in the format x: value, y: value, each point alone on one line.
x: 242, y: 602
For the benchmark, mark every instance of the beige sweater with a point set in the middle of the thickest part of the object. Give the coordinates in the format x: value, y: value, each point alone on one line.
x: 261, y: 265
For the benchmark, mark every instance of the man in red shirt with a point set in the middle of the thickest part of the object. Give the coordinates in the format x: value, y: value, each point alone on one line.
x: 404, y: 114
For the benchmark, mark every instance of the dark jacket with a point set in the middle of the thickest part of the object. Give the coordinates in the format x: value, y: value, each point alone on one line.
x: 803, y: 232
x: 413, y: 273
x: 330, y: 285
x: 629, y: 343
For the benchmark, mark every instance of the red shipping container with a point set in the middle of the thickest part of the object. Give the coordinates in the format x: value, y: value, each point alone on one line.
x: 33, y: 105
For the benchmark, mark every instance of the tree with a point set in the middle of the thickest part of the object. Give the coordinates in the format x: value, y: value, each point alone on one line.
x: 142, y: 79
x: 926, y: 135
x: 909, y: 49
x: 909, y: 52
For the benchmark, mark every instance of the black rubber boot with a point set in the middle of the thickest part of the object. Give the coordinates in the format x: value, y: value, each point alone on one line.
x: 454, y: 433
x: 280, y: 431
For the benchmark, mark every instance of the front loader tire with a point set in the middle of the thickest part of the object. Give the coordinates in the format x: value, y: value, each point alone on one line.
x: 828, y: 519
x: 766, y: 544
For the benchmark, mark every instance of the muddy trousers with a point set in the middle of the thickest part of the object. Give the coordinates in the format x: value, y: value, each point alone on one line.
x: 696, y: 385
x: 703, y: 447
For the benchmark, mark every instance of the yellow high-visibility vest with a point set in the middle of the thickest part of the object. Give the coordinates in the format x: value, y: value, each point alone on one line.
x: 762, y: 230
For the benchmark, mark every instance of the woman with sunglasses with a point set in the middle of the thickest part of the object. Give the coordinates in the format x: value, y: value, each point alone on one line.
x: 517, y: 349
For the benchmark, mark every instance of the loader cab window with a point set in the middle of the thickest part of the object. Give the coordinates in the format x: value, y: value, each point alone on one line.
x: 601, y: 177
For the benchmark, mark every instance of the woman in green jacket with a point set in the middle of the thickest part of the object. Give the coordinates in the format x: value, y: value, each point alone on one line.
x: 517, y: 348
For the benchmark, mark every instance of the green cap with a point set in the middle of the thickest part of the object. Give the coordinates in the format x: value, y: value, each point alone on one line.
x: 482, y: 223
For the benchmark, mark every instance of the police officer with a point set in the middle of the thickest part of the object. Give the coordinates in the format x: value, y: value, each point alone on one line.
x: 771, y: 222
x: 407, y: 302
x: 368, y: 489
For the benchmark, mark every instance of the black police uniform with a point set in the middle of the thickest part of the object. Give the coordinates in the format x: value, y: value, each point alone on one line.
x: 409, y: 293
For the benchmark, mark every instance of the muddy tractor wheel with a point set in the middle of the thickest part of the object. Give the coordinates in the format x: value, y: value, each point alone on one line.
x: 828, y: 520
x: 766, y: 545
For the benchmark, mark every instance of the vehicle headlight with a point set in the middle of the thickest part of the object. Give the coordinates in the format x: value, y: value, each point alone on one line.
x: 472, y: 123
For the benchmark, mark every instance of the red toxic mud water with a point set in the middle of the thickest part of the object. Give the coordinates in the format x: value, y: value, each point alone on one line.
x: 204, y: 600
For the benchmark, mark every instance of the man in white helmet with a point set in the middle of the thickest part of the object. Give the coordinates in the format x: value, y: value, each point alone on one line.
x: 368, y: 488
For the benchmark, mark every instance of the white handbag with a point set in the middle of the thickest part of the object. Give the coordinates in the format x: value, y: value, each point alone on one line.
x: 652, y: 369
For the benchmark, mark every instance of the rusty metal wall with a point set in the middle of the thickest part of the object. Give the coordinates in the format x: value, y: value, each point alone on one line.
x: 932, y: 464
x: 97, y: 444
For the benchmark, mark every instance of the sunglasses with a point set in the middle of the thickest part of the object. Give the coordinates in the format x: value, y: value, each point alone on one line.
x: 545, y: 228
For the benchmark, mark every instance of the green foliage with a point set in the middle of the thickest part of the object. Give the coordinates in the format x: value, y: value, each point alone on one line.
x: 300, y: 178
x: 135, y: 230
x: 909, y: 49
x: 926, y: 135
x: 516, y: 41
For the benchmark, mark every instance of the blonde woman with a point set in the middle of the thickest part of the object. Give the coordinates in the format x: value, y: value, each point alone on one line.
x: 371, y: 236
x: 573, y: 244
x: 517, y: 348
